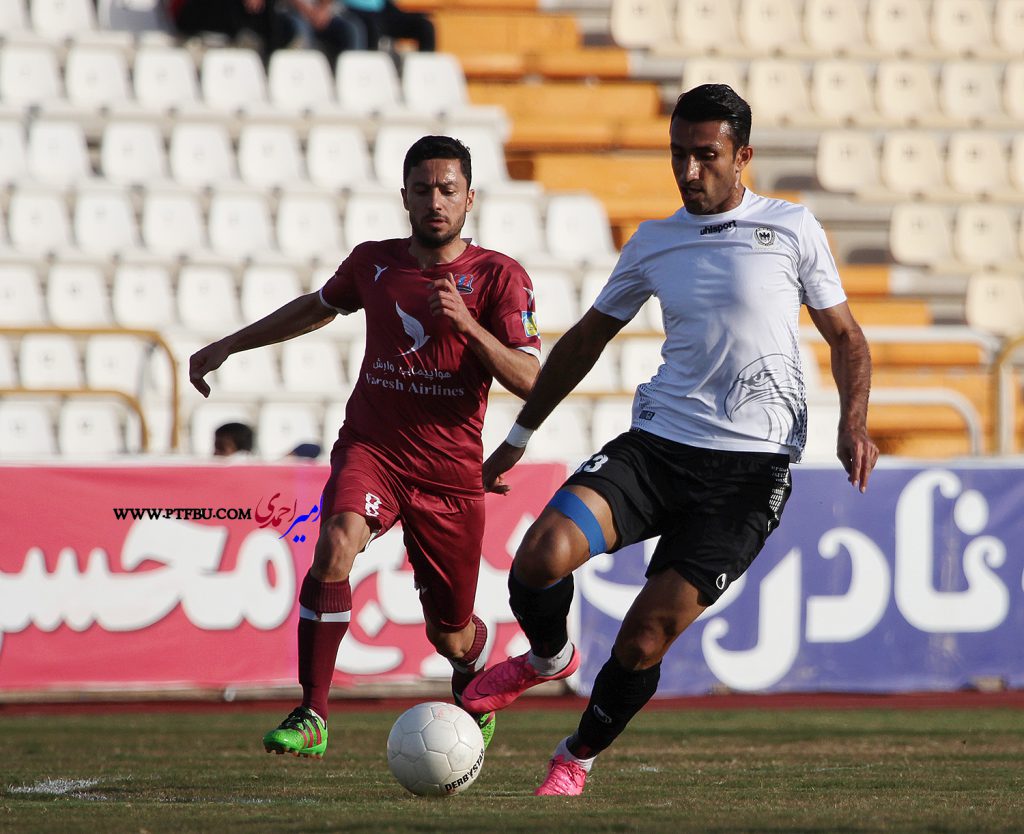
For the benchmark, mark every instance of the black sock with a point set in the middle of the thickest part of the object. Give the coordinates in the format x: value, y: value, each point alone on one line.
x: 617, y: 696
x: 542, y: 614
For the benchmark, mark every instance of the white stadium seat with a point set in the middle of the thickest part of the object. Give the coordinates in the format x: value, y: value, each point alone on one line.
x: 1008, y: 27
x: 200, y: 154
x: 769, y: 27
x: 117, y: 362
x: 77, y: 296
x: 842, y: 92
x: 564, y: 436
x: 8, y: 374
x: 13, y: 17
x: 611, y: 417
x: 488, y: 155
x: 367, y: 83
x: 962, y: 27
x: 12, y: 151
x: 26, y: 430
x: 207, y: 299
x: 164, y: 79
x: 433, y: 83
x: 640, y: 358
x: 96, y: 76
x: 920, y: 234
x: 90, y: 429
x: 57, y: 153
x: 970, y: 93
x: 912, y: 162
x: 142, y: 296
x: 308, y: 224
x: 576, y: 228
x: 172, y: 222
x: 906, y: 93
x: 336, y: 156
x: 250, y: 373
x: 29, y: 76
x: 312, y: 365
x: 835, y: 27
x: 49, y: 361
x: 556, y: 299
x: 239, y: 224
x: 389, y: 150
x: 899, y: 27
x: 57, y: 19
x: 995, y: 303
x: 37, y: 221
x: 977, y: 164
x: 511, y: 224
x: 269, y: 156
x: 283, y: 426
x: 779, y: 92
x: 21, y: 297
x: 703, y: 27
x: 374, y: 216
x: 132, y: 153
x: 104, y: 221
x: 985, y: 235
x: 206, y: 417
x: 700, y: 70
x: 847, y: 161
x: 300, y: 80
x: 640, y: 24
x: 232, y: 80
x: 265, y: 288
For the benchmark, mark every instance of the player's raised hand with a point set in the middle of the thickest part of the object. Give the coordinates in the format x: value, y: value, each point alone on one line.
x: 447, y: 301
x: 858, y: 454
x: 202, y: 362
x: 501, y: 460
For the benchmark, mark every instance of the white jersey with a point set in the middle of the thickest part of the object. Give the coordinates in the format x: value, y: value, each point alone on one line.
x: 730, y: 287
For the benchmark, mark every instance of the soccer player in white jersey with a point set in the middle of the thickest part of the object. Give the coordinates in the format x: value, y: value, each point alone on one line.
x: 705, y: 463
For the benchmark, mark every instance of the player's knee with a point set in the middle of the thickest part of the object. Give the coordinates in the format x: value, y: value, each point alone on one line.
x: 643, y: 646
x: 448, y: 644
x: 544, y: 557
x: 335, y: 550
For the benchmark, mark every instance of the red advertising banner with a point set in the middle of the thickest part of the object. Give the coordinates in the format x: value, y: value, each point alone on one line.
x: 186, y: 577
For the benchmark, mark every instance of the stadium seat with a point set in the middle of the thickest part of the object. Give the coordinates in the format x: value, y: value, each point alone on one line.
x: 1017, y: 163
x: 842, y: 93
x: 962, y: 28
x: 985, y: 235
x: 307, y: 225
x: 576, y: 229
x: 970, y: 93
x: 905, y: 92
x: 977, y: 165
x: 488, y: 153
x: 605, y: 377
x: 995, y: 303
x: 265, y: 288
x: 779, y: 92
x: 60, y: 19
x: 57, y: 153
x: 707, y: 29
x: 164, y: 80
x: 232, y: 80
x: 8, y: 374
x: 283, y: 426
x: 104, y: 221
x: 1008, y: 27
x: 132, y: 153
x: 389, y: 150
x: 48, y: 360
x: 172, y: 223
x: 899, y: 27
x: 772, y: 27
x: 142, y: 296
x: 1013, y: 90
x: 697, y: 71
x: 269, y: 155
x: 37, y: 222
x: 912, y: 163
x: 640, y: 358
x: 556, y: 299
x: 835, y: 28
x: 206, y: 417
x: 200, y: 154
x: 239, y: 224
x: 300, y: 81
x: 76, y: 296
x: 336, y: 156
x: 367, y: 84
x: 564, y: 436
x: 647, y: 318
x: 26, y: 430
x: 13, y: 157
x: 611, y: 416
x: 96, y: 77
x: 847, y: 161
x: 13, y: 17
x: 116, y: 362
x: 207, y: 300
x: 640, y: 24
x: 21, y: 297
x: 433, y: 83
x: 250, y: 373
x: 920, y: 234
x: 90, y: 429
x: 511, y: 224
x: 374, y: 215
x: 312, y: 365
x: 29, y: 77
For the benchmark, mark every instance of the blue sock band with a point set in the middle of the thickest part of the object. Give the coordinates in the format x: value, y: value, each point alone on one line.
x: 572, y: 507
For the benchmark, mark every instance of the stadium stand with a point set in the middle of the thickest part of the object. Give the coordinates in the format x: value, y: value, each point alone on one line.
x: 183, y: 187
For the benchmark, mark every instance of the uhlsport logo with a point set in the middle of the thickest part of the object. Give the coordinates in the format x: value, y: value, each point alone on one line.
x: 717, y: 228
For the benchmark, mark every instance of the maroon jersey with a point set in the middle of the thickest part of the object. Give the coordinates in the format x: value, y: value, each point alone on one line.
x: 422, y: 392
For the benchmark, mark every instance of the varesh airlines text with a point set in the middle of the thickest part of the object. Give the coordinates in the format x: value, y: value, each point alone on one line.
x: 981, y: 607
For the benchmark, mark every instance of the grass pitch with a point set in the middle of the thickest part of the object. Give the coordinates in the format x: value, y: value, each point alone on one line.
x: 672, y: 771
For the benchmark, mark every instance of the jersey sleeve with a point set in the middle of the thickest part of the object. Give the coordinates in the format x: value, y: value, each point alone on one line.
x: 340, y: 292
x: 819, y: 277
x: 512, y: 316
x: 627, y: 288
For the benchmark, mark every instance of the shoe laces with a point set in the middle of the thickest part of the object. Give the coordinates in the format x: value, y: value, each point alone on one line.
x: 565, y: 774
x: 298, y: 719
x: 517, y: 670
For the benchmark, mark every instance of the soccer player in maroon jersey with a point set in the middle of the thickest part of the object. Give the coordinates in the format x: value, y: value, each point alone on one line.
x: 443, y: 318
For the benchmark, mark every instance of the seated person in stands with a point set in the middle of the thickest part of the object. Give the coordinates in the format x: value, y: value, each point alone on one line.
x: 274, y: 27
x: 232, y: 439
x: 328, y: 25
x: 383, y: 18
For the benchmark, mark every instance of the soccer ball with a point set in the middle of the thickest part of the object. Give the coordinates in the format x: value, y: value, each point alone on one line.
x: 435, y: 749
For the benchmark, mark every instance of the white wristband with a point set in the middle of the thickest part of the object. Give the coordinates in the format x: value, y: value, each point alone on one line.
x: 519, y: 436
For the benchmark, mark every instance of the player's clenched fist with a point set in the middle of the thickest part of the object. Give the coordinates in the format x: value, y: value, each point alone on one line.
x: 202, y: 362
x: 446, y: 301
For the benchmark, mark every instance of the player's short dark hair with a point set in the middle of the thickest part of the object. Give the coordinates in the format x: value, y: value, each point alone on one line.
x: 716, y: 102
x: 438, y: 147
x: 239, y: 433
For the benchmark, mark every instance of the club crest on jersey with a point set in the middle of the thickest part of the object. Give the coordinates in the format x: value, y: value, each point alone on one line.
x: 464, y: 283
x: 529, y: 323
x: 764, y: 237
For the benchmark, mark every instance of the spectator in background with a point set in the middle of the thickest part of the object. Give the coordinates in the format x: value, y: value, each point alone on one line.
x: 230, y: 17
x: 232, y: 439
x: 329, y: 26
x: 383, y: 18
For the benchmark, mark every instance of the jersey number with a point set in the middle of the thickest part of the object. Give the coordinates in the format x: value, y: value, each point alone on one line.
x: 593, y: 464
x: 372, y: 506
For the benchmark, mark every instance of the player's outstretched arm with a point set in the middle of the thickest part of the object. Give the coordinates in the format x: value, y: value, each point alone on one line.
x: 302, y: 315
x: 570, y: 360
x: 851, y: 369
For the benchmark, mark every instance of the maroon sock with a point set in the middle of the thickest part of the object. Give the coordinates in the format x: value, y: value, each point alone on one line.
x: 464, y: 669
x: 320, y: 636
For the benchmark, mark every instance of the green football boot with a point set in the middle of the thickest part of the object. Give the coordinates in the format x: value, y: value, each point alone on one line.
x: 302, y: 733
x: 486, y: 723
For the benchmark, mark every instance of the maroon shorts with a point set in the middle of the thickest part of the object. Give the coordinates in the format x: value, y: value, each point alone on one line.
x: 443, y: 534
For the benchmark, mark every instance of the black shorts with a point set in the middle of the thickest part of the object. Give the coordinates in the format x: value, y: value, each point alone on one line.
x: 713, y: 509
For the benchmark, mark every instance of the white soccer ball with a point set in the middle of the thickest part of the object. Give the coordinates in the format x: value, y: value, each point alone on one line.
x: 435, y: 749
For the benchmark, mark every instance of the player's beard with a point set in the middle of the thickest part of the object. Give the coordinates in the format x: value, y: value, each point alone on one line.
x: 436, y: 240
